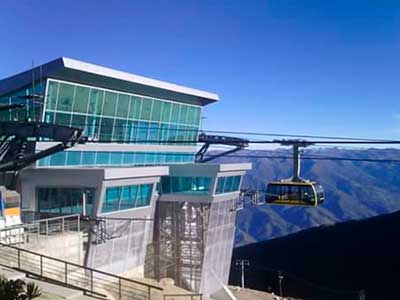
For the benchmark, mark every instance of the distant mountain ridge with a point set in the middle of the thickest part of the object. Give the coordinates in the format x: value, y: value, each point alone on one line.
x: 354, y: 190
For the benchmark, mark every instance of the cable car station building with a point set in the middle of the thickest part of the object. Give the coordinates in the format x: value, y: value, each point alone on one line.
x: 159, y: 213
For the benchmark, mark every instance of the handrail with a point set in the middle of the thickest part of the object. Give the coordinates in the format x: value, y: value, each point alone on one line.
x: 192, y: 296
x: 80, y: 266
x: 56, y: 218
x: 90, y: 271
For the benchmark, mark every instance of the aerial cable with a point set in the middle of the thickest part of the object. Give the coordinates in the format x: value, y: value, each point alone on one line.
x: 151, y: 127
x: 319, y: 158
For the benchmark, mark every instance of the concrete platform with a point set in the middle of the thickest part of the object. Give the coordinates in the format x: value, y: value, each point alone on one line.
x: 49, y: 291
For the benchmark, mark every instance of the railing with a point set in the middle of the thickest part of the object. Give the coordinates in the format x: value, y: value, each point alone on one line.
x: 184, y: 296
x: 22, y: 233
x: 55, y: 225
x: 89, y: 280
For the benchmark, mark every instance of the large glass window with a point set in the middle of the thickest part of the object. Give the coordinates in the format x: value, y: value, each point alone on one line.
x: 103, y: 158
x: 66, y: 200
x: 126, y: 197
x: 108, y: 115
x: 227, y: 184
x: 185, y: 185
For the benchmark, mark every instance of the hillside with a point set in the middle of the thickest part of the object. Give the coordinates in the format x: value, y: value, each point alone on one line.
x: 354, y: 190
x: 350, y: 256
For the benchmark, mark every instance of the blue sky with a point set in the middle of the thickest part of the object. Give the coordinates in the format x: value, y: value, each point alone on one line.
x: 301, y: 67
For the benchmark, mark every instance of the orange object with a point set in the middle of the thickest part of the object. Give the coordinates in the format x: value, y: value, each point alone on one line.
x: 15, y: 211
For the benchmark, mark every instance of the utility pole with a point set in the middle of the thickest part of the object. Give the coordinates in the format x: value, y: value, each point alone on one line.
x: 242, y: 263
x: 280, y: 277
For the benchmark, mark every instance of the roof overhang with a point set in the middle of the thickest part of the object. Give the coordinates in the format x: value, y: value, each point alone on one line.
x: 85, y: 73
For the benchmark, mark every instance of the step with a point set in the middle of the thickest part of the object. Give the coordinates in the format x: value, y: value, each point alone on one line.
x: 11, y: 274
x: 53, y: 289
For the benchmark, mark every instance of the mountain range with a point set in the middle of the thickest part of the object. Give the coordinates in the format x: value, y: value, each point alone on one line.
x: 351, y: 260
x: 354, y: 189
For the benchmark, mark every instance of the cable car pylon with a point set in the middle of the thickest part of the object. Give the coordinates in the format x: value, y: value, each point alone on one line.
x: 295, y: 190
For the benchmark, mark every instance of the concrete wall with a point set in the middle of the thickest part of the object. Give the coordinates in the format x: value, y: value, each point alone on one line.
x: 66, y: 246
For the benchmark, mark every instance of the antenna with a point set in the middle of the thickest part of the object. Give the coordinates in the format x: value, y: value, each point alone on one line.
x: 33, y: 77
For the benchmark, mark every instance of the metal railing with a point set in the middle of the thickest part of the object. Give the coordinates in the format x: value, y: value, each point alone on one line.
x: 183, y: 297
x: 55, y: 225
x: 88, y: 280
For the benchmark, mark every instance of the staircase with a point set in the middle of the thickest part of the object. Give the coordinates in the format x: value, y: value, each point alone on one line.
x: 89, y: 281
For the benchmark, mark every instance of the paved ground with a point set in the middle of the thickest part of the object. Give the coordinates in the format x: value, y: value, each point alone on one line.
x: 248, y: 294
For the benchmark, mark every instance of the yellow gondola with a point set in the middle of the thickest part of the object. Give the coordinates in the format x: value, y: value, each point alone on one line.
x: 294, y: 193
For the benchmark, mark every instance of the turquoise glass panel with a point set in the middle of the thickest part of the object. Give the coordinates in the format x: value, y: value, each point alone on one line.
x: 126, y: 197
x: 175, y: 113
x: 156, y: 111
x: 106, y: 129
x: 103, y: 158
x: 81, y: 99
x: 65, y: 200
x: 228, y: 184
x: 110, y: 104
x: 153, y: 133
x: 143, y: 128
x: 88, y: 158
x: 73, y: 158
x: 52, y: 92
x: 136, y: 104
x: 95, y: 102
x: 123, y: 105
x: 63, y: 119
x: 65, y: 97
x: 166, y: 112
x: 185, y: 185
x: 116, y: 158
x: 220, y: 185
x: 120, y: 132
x: 145, y: 113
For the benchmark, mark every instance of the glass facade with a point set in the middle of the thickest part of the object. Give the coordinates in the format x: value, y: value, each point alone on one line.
x: 32, y: 110
x: 185, y: 185
x: 126, y: 197
x: 65, y: 200
x: 227, y: 184
x: 102, y: 158
x: 114, y: 116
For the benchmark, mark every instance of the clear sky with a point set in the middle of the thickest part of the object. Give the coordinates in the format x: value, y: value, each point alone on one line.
x: 302, y: 67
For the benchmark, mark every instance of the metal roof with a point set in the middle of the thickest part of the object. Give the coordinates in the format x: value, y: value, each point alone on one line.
x: 76, y: 71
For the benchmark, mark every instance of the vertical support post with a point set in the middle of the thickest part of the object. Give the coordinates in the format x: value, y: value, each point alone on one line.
x: 47, y: 227
x: 79, y: 223
x: 296, y: 162
x: 242, y: 265
x: 119, y: 288
x: 280, y: 277
x: 41, y: 265
x: 63, y: 224
x: 19, y: 258
x: 84, y: 203
x: 91, y: 280
x: 66, y: 272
